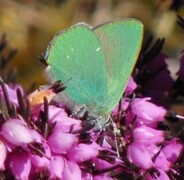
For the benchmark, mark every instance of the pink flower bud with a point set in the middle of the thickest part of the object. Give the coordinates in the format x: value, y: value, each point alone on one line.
x: 41, y: 161
x: 147, y: 136
x: 102, y: 164
x: 11, y: 94
x: 146, y: 112
x: 56, y: 167
x: 71, y: 171
x: 56, y: 114
x: 63, y: 122
x: 124, y: 105
x: 83, y: 152
x: 86, y: 176
x: 161, y: 162
x: 172, y: 151
x: 138, y: 155
x: 3, y: 155
x: 20, y: 165
x: 61, y: 142
x: 131, y: 86
x: 66, y: 123
x: 16, y: 132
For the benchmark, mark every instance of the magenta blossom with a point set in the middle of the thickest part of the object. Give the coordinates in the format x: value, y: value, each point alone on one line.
x: 147, y: 136
x: 71, y: 171
x: 3, y: 151
x: 146, y: 112
x: 172, y: 150
x: 161, y: 162
x: 56, y: 167
x: 139, y: 155
x: 42, y: 139
x: 33, y: 147
x: 131, y: 86
x: 83, y: 152
x: 20, y: 164
x: 12, y: 96
x: 16, y: 132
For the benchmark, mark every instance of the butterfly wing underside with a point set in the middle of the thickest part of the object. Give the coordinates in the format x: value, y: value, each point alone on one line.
x: 121, y: 43
x: 76, y: 55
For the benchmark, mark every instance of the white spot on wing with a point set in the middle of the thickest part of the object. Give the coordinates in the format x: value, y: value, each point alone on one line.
x: 98, y: 49
x: 72, y: 49
x: 67, y: 57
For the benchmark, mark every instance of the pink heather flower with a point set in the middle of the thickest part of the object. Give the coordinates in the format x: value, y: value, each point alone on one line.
x: 106, y: 145
x: 36, y: 136
x: 102, y: 164
x: 131, y: 86
x: 65, y: 124
x: 12, y: 95
x: 86, y: 176
x: 138, y: 155
x: 160, y: 175
x: 161, y: 162
x: 20, y: 165
x: 153, y: 149
x: 59, y: 151
x: 124, y: 105
x: 147, y: 136
x: 83, y: 152
x: 55, y: 113
x: 71, y: 171
x: 3, y: 155
x: 172, y: 150
x: 42, y: 161
x: 146, y: 112
x: 56, y: 167
x: 102, y: 177
x: 61, y: 142
x: 16, y: 132
x: 59, y: 117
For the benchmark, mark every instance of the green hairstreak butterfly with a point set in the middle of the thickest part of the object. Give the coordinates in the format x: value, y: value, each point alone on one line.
x: 98, y: 60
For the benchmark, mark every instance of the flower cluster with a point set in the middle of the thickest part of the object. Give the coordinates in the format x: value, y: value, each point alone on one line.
x: 40, y: 140
x: 152, y: 151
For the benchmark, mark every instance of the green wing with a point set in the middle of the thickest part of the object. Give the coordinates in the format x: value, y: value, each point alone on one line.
x: 121, y: 42
x: 76, y: 53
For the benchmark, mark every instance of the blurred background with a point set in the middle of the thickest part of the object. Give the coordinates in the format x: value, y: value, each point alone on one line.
x: 30, y: 25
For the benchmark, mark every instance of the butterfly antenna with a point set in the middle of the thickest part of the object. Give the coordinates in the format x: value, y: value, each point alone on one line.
x: 66, y: 82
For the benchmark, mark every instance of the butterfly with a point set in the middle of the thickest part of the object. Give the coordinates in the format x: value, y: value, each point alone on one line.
x: 98, y: 61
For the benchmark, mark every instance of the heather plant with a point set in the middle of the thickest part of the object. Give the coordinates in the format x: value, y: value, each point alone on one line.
x: 42, y: 139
